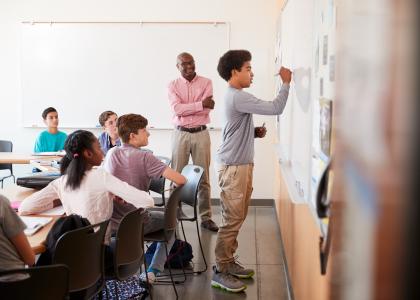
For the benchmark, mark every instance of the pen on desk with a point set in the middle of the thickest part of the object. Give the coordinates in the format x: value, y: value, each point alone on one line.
x: 263, y: 125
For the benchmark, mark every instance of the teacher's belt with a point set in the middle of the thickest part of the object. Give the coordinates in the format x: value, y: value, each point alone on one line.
x: 193, y: 129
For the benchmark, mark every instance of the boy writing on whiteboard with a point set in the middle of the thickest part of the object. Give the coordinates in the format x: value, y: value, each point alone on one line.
x: 50, y: 140
x: 236, y: 156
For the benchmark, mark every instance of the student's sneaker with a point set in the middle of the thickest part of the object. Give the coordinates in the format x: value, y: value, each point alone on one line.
x: 150, y: 275
x: 227, y: 282
x: 235, y: 269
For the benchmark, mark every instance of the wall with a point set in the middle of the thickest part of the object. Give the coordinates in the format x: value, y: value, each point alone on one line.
x: 253, y: 26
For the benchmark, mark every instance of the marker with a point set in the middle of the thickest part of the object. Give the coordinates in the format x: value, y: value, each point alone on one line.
x: 263, y: 125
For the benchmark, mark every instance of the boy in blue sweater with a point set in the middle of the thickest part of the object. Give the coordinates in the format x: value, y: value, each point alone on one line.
x: 50, y: 140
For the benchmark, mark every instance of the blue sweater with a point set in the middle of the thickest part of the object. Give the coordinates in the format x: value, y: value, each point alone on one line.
x: 48, y: 142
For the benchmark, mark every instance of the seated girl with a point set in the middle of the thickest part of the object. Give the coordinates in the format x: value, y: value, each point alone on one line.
x: 84, y: 190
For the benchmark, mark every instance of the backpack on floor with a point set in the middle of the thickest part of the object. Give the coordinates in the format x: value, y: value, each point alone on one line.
x: 179, y: 256
x: 132, y: 288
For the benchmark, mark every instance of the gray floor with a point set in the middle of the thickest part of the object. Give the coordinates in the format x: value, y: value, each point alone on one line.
x: 259, y: 248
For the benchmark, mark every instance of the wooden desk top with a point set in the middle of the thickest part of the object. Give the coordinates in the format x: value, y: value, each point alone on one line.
x: 15, y: 192
x: 19, y: 158
x: 37, y: 241
x: 18, y: 193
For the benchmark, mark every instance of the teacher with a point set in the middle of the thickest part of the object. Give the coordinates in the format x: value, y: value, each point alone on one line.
x: 191, y: 100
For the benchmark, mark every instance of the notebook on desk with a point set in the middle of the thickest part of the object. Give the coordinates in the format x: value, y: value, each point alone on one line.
x: 33, y: 224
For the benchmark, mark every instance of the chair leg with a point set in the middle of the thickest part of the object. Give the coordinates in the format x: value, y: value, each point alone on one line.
x: 170, y: 271
x: 183, y: 269
x: 202, y: 253
x: 201, y: 247
x: 149, y: 286
x: 184, y: 274
x: 163, y: 198
x: 183, y: 231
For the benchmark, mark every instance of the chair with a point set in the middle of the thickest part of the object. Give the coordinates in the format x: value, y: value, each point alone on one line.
x: 82, y: 250
x: 170, y: 224
x: 188, y: 196
x: 6, y: 146
x: 127, y: 247
x: 47, y: 283
x: 158, y: 185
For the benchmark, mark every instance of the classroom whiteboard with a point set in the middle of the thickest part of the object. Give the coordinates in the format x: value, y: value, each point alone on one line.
x: 295, y: 124
x: 307, y: 46
x: 82, y: 69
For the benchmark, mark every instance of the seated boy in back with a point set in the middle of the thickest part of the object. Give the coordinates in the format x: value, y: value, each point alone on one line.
x: 137, y: 168
x: 50, y: 140
x: 109, y: 138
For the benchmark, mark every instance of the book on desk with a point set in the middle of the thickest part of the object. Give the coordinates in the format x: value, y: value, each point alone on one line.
x: 33, y: 224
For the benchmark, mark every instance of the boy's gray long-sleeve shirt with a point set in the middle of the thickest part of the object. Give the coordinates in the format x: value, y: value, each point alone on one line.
x: 237, y: 146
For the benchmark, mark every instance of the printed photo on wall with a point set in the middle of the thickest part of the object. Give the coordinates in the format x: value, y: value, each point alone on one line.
x: 332, y: 68
x: 325, y: 125
x: 325, y: 50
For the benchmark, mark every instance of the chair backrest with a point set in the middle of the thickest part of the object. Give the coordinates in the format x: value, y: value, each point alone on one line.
x: 194, y: 174
x: 47, y: 283
x: 128, y: 251
x: 158, y: 185
x: 82, y: 250
x: 6, y: 146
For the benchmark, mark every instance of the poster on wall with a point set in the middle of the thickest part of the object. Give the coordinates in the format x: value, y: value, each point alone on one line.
x: 325, y: 50
x: 332, y: 68
x: 325, y: 107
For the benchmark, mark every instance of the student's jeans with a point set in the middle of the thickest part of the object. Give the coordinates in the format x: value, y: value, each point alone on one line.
x: 155, y: 222
x: 197, y: 145
x: 236, y: 185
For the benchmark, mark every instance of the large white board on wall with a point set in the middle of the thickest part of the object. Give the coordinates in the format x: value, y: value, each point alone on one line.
x: 82, y: 69
x: 295, y: 124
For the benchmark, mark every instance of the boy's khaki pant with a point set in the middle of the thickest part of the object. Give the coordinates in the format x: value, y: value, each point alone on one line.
x: 236, y: 185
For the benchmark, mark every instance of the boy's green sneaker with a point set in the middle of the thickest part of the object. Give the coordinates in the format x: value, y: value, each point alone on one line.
x: 237, y: 270
x: 227, y: 282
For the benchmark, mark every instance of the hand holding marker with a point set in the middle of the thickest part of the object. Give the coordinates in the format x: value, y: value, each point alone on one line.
x: 260, y: 131
x: 285, y: 74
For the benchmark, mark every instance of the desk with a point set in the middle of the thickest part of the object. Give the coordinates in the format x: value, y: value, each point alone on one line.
x: 37, y: 241
x: 15, y: 192
x: 19, y: 158
x: 18, y: 193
